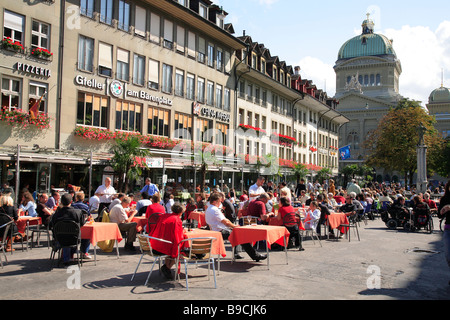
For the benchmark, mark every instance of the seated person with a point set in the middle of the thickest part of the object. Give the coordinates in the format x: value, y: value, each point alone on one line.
x: 324, y: 212
x: 190, y: 206
x: 286, y: 208
x: 420, y: 208
x: 311, y: 215
x: 303, y: 197
x: 312, y: 197
x: 155, y: 208
x: 340, y: 199
x: 170, y: 228
x: 398, y: 210
x: 144, y: 202
x: 119, y: 214
x: 79, y: 202
x: 217, y: 222
x: 430, y: 203
x: 349, y: 207
x: 257, y: 208
x: 66, y: 212
x: 44, y: 212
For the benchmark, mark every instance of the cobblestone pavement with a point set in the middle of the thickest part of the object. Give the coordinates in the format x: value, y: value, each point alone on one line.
x: 384, y: 265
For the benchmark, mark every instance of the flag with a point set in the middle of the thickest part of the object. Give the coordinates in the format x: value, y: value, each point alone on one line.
x: 35, y: 108
x: 345, y: 153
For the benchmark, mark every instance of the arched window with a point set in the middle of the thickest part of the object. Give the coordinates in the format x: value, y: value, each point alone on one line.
x: 378, y: 80
x: 372, y: 80
x: 353, y: 140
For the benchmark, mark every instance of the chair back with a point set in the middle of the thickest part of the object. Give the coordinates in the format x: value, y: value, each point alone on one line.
x: 4, y: 229
x: 67, y: 233
x: 291, y: 219
x: 249, y: 220
x: 100, y: 215
x: 145, y: 243
x: 153, y: 220
x: 198, y: 246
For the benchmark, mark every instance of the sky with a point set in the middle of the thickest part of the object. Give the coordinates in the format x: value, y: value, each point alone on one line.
x: 309, y: 34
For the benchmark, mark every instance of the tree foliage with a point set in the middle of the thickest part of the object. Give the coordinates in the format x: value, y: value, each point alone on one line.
x: 393, y: 144
x: 440, y: 156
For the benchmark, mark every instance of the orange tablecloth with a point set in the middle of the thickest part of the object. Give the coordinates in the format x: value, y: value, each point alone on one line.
x: 336, y: 219
x: 101, y: 231
x: 199, y: 216
x: 251, y: 234
x: 218, y: 246
x: 141, y: 223
x: 22, y: 222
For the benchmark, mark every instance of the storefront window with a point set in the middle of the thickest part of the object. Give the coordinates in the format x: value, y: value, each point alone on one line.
x: 158, y: 122
x: 92, y: 110
x: 183, y: 122
x: 128, y: 116
x: 204, y: 134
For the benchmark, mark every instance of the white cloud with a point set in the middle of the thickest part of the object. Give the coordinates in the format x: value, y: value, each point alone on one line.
x: 322, y: 74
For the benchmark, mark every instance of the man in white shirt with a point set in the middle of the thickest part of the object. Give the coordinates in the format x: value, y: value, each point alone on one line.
x: 119, y: 215
x: 218, y: 222
x: 105, y: 193
x: 94, y: 202
x: 256, y: 190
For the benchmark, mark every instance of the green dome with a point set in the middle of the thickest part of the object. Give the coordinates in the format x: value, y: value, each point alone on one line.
x: 440, y: 95
x: 366, y: 45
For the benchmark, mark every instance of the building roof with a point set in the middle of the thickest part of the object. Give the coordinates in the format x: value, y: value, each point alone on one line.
x: 440, y: 95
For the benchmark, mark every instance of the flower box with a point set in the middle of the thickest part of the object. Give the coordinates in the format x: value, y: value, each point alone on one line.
x: 18, y: 117
x: 259, y: 131
x: 9, y: 44
x: 41, y: 53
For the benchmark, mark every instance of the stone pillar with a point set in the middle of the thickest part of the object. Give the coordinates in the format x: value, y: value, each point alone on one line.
x: 422, y: 168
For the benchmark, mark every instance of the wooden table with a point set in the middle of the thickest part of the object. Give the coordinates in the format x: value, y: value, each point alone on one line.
x: 255, y: 233
x: 199, y: 216
x: 101, y: 231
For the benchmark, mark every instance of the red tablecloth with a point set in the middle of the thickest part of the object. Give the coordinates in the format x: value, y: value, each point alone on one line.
x: 101, y: 231
x: 251, y: 234
x: 218, y: 246
x: 336, y: 219
x: 141, y: 223
x: 199, y: 216
x: 22, y: 222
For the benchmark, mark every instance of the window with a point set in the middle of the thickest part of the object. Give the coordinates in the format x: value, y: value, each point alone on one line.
x: 158, y: 122
x: 203, y: 11
x: 36, y: 93
x: 87, y: 8
x: 219, y: 94
x: 155, y: 28
x: 210, y: 94
x: 106, y: 11
x: 13, y: 26
x: 263, y: 66
x: 40, y: 35
x: 227, y: 61
x: 221, y: 134
x: 105, y: 59
x: 11, y: 94
x: 124, y: 16
x: 179, y: 83
x: 153, y: 74
x: 128, y: 116
x: 190, y: 87
x: 139, y: 70
x: 378, y: 81
x: 219, y: 59
x: 168, y: 34
x: 167, y: 76
x: 140, y: 22
x: 264, y: 98
x: 85, y: 53
x: 227, y: 100
x: 191, y: 44
x: 92, y: 110
x: 181, y: 33
x: 254, y: 60
x: 201, y: 90
x: 123, y: 65
x: 183, y: 122
x: 203, y: 132
x: 201, y: 50
x: 211, y: 55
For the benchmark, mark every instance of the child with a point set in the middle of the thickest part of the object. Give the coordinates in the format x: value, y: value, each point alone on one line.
x: 312, y: 214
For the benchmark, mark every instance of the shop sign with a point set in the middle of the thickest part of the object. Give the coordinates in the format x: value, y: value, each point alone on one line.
x: 28, y: 68
x: 155, y: 162
x: 210, y: 113
x: 89, y: 83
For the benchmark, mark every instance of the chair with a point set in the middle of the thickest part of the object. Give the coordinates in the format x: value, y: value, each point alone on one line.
x: 4, y: 218
x: 146, y: 249
x: 199, y: 253
x: 311, y: 231
x: 100, y: 215
x: 67, y: 234
x: 292, y: 221
x: 38, y: 229
x: 352, y: 223
x: 5, y: 227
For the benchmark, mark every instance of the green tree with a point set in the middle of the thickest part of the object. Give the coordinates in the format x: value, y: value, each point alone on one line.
x: 300, y: 172
x: 349, y: 172
x: 440, y: 158
x: 124, y: 160
x: 393, y: 144
x: 323, y: 174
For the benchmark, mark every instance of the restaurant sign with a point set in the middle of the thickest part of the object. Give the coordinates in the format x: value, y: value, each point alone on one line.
x: 28, y: 68
x: 210, y: 113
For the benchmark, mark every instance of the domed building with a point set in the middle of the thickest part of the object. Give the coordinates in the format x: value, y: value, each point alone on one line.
x: 367, y: 85
x: 439, y: 106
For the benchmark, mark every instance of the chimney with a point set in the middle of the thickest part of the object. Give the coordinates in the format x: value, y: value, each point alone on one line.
x: 297, y: 70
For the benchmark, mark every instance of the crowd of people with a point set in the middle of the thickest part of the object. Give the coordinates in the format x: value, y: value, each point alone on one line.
x: 223, y: 210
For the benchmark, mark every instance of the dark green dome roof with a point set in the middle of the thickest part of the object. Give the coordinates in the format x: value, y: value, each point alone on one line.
x: 440, y: 95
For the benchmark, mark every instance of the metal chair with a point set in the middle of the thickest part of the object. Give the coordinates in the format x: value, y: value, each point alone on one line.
x: 311, y: 231
x: 352, y: 224
x: 38, y: 229
x: 4, y: 218
x: 153, y: 220
x: 146, y: 249
x: 5, y: 227
x: 292, y: 221
x: 199, y: 252
x: 67, y: 234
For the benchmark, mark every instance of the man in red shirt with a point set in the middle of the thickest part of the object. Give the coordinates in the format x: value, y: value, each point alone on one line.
x: 155, y: 207
x: 257, y: 208
x: 340, y: 198
x: 170, y: 228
